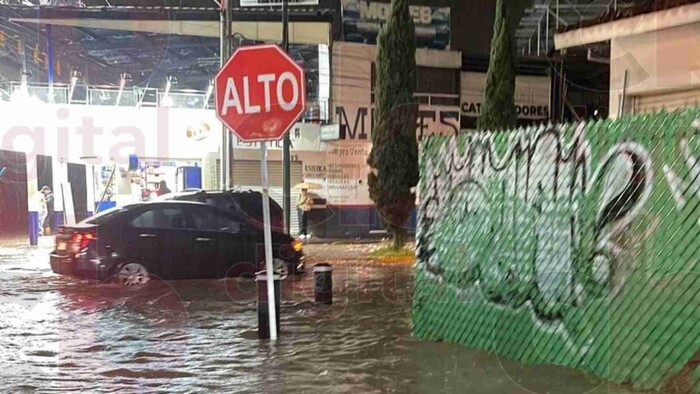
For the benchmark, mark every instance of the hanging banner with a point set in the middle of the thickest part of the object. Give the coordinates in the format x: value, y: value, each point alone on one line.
x: 363, y: 19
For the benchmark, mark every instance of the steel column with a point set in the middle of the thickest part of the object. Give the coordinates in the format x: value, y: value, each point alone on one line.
x: 49, y: 61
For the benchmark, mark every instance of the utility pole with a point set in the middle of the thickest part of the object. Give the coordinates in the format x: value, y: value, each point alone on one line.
x: 286, y: 164
x: 223, y: 57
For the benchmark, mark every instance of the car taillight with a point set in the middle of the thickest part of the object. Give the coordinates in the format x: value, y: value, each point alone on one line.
x: 81, y: 241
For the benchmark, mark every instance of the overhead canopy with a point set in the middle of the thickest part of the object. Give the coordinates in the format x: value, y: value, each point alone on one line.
x: 639, y: 24
x: 150, y: 44
x: 307, y: 26
x: 299, y: 32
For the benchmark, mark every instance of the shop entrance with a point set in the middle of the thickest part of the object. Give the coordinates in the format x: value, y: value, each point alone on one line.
x: 44, y: 171
x: 13, y: 193
x: 78, y: 183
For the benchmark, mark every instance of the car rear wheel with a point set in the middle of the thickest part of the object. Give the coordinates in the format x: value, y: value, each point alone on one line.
x: 133, y: 274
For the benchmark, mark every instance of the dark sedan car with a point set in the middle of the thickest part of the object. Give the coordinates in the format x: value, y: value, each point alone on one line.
x: 168, y: 240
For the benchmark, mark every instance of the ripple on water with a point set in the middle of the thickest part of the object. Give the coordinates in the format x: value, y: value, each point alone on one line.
x: 146, y: 373
x: 153, y: 354
x: 42, y: 353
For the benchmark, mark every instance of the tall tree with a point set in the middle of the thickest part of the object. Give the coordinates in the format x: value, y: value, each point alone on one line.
x: 394, y: 155
x: 498, y: 110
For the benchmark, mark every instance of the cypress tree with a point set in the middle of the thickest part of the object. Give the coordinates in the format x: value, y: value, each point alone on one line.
x: 498, y: 110
x: 394, y: 155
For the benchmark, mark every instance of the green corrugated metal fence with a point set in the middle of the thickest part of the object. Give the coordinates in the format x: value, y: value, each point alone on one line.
x: 576, y: 245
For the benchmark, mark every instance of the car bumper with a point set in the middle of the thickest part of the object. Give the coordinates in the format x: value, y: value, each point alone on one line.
x: 62, y: 265
x: 84, y: 267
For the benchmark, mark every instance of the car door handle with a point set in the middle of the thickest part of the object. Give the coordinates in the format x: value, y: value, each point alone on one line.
x: 203, y: 239
x: 147, y: 235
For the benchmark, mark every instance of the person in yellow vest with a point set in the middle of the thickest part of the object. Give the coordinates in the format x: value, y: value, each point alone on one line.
x: 304, y: 204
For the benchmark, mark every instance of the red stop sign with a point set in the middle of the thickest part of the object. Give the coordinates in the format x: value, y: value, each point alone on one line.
x: 260, y: 93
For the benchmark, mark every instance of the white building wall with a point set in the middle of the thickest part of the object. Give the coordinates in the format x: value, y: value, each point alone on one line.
x: 657, y: 62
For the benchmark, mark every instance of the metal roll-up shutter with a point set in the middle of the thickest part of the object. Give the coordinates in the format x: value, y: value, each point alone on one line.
x: 247, y: 173
x: 296, y: 172
x: 668, y: 100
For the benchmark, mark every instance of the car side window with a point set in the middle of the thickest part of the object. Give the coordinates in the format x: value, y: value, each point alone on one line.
x: 231, y: 225
x: 162, y: 218
x: 212, y: 220
x: 225, y: 202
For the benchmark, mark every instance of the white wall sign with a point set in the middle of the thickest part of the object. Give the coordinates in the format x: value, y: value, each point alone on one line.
x: 330, y: 132
x: 531, y: 95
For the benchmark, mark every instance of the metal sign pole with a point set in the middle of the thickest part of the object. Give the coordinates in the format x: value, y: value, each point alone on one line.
x: 271, y: 307
x: 223, y: 57
x: 286, y: 144
x: 229, y: 138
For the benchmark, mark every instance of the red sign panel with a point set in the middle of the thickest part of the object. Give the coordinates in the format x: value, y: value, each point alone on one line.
x: 260, y: 93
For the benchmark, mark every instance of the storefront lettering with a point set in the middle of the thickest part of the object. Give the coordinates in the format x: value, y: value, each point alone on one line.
x: 448, y: 119
x: 350, y: 132
x: 371, y: 10
x: 429, y: 121
x: 523, y: 111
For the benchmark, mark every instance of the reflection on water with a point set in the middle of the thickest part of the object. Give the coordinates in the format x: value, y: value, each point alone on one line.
x: 64, y: 334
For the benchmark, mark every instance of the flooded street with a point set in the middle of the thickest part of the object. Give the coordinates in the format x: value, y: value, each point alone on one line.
x: 59, y: 334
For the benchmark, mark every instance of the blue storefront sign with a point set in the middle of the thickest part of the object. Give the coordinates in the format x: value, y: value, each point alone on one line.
x: 363, y: 19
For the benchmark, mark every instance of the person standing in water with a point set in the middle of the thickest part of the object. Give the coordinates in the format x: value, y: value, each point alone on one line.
x: 304, y: 204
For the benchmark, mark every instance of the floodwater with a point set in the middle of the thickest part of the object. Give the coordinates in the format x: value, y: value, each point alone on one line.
x: 60, y: 334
